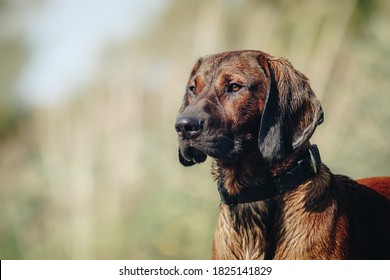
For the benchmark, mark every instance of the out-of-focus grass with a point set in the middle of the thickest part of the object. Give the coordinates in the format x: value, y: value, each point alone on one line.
x: 98, y: 177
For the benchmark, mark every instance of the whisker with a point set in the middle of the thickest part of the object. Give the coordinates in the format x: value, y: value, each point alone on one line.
x: 225, y: 137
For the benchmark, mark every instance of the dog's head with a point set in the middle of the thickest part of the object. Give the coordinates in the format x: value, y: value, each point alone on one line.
x: 235, y: 100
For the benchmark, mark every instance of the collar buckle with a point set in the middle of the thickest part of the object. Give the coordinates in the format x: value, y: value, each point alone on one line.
x: 314, y: 154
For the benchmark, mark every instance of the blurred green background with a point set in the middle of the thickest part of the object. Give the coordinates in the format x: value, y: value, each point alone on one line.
x: 89, y: 92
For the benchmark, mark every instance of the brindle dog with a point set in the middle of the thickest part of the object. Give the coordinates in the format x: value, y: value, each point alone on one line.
x: 254, y: 115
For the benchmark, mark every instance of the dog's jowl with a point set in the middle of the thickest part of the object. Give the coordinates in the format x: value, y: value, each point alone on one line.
x: 254, y: 114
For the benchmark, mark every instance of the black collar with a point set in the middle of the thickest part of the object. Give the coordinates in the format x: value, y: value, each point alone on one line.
x: 303, y: 170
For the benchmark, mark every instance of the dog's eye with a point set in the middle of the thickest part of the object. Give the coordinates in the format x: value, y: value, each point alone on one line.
x: 234, y: 87
x: 192, y: 89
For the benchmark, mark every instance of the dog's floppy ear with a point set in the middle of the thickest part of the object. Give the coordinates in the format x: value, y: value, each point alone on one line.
x: 291, y: 111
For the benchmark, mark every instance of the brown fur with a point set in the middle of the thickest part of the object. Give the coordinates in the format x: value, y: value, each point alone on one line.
x: 254, y: 115
x: 380, y: 184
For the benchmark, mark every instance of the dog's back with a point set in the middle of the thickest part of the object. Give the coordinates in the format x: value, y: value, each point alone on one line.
x: 368, y: 210
x: 379, y: 184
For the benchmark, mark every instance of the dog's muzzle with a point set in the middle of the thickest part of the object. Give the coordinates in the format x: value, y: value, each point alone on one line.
x: 189, y: 128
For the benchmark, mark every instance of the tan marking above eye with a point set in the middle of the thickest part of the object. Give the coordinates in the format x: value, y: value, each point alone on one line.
x: 197, y: 85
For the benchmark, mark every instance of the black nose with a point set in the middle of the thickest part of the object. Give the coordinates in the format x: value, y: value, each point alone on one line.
x: 188, y: 127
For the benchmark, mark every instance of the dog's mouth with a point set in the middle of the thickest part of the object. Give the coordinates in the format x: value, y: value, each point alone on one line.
x: 197, y: 150
x: 190, y: 153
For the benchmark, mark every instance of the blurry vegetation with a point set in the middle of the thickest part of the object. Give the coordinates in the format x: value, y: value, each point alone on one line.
x: 98, y: 177
x: 12, y: 57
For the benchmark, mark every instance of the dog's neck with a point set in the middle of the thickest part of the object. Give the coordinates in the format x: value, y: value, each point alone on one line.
x: 247, y: 170
x: 250, y: 230
x: 251, y: 179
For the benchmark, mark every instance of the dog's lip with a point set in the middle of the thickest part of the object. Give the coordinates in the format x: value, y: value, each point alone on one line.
x: 193, y: 154
x: 199, y: 150
x: 185, y: 151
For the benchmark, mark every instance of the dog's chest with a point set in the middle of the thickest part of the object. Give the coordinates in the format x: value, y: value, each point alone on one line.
x: 240, y: 234
x: 262, y: 233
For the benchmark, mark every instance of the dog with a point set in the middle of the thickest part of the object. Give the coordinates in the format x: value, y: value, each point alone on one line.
x: 254, y: 114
